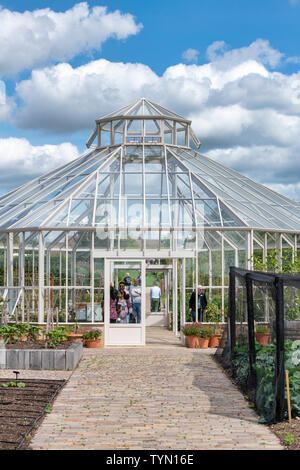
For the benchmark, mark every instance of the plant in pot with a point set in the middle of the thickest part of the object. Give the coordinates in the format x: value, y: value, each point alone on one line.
x: 74, y: 334
x: 204, y: 336
x: 92, y: 338
x: 214, y: 315
x: 191, y: 331
x: 262, y: 334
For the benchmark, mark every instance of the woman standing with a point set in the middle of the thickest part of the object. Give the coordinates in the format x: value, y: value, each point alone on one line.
x: 113, y: 304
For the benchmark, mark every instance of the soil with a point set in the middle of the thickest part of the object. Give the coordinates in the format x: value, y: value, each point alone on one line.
x: 289, y: 434
x: 22, y: 408
x: 36, y: 345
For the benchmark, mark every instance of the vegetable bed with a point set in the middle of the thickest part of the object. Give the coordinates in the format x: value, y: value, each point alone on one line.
x: 265, y: 370
x: 22, y: 404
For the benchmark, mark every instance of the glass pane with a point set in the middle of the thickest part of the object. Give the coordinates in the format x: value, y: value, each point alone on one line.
x: 126, y: 293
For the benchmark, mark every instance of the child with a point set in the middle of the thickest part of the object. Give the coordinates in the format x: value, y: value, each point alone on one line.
x: 124, y: 307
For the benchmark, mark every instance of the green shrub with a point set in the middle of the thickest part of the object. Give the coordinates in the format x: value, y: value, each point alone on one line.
x: 213, y: 313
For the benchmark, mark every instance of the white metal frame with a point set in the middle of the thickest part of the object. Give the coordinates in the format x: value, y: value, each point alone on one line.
x: 115, y: 334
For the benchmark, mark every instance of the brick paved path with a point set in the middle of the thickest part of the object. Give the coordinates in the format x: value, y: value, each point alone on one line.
x: 163, y: 397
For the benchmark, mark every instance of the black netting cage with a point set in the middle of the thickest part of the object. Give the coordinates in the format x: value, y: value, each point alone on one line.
x: 262, y: 350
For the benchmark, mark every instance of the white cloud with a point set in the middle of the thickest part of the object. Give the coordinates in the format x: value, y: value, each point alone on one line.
x: 276, y: 167
x: 20, y: 161
x: 241, y: 110
x: 64, y: 98
x: 260, y: 50
x: 39, y: 37
x: 190, y: 55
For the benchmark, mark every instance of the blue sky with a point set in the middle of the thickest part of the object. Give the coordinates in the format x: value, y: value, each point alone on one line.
x: 230, y: 66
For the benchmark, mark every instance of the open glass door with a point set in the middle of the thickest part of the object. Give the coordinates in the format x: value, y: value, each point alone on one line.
x: 124, y: 303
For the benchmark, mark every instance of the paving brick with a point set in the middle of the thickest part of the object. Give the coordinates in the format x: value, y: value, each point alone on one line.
x: 163, y: 396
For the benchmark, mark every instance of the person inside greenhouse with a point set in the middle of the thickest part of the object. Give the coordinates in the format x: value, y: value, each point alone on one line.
x: 127, y: 280
x: 123, y: 307
x: 155, y: 294
x: 113, y: 304
x: 123, y: 288
x: 136, y: 297
x: 202, y: 303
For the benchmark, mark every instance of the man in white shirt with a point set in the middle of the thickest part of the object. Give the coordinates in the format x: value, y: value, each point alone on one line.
x: 155, y: 295
x: 136, y: 295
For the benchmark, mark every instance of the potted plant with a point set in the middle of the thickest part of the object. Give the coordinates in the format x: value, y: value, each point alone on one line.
x: 92, y: 338
x: 191, y: 331
x: 214, y: 340
x: 214, y: 315
x: 74, y: 335
x: 262, y: 334
x: 204, y: 336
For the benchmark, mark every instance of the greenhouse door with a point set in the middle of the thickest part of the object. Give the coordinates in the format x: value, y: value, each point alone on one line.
x: 125, y: 319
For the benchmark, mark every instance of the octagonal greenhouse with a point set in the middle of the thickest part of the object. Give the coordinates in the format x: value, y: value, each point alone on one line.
x: 141, y: 200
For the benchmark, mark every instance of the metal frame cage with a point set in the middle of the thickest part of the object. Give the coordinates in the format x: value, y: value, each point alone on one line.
x: 255, y: 293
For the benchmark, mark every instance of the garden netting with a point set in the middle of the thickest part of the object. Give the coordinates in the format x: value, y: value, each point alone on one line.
x: 263, y: 340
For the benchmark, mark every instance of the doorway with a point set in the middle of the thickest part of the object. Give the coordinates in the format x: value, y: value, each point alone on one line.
x: 127, y: 328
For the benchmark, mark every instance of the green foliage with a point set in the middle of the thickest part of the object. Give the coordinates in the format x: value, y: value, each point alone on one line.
x: 10, y: 333
x: 92, y: 334
x: 34, y: 332
x: 293, y: 312
x: 14, y: 384
x: 206, y: 333
x: 56, y: 336
x: 289, y: 439
x: 197, y: 329
x: 277, y: 261
x: 265, y: 372
x: 190, y: 329
x: 22, y: 328
x: 262, y: 329
x: 213, y: 313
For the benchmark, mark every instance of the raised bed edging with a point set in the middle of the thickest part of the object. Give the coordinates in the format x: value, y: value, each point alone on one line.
x: 41, y: 359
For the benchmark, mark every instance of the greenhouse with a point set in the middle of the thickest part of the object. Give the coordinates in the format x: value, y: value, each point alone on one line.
x: 142, y: 200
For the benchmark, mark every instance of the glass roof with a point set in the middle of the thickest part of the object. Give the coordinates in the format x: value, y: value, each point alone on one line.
x: 146, y: 185
x: 143, y: 107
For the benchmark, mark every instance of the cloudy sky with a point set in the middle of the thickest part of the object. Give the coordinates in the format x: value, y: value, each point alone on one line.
x: 233, y: 67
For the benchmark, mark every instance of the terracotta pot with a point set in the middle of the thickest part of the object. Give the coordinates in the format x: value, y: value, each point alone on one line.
x: 22, y: 338
x: 262, y: 338
x: 75, y: 337
x: 192, y: 341
x: 203, y: 343
x: 92, y: 343
x: 214, y: 341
